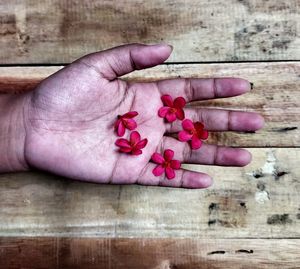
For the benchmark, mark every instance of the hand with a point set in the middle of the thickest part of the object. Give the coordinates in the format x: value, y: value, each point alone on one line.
x: 69, y: 120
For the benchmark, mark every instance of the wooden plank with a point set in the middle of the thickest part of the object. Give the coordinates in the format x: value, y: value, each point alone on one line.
x: 276, y: 95
x: 104, y: 253
x: 56, y: 31
x: 258, y: 201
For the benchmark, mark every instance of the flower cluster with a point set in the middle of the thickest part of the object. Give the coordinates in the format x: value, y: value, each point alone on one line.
x: 193, y: 132
x: 135, y: 144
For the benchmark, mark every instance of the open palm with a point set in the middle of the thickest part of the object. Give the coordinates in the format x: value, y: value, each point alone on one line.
x: 71, y: 115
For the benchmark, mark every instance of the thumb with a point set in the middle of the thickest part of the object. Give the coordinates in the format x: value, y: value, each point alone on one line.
x: 124, y: 59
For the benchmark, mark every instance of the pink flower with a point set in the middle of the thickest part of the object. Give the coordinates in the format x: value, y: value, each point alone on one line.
x: 172, y: 110
x: 125, y: 121
x: 165, y: 164
x: 194, y: 132
x: 134, y: 145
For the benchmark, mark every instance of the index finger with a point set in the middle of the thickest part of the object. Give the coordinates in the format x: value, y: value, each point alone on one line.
x: 196, y: 89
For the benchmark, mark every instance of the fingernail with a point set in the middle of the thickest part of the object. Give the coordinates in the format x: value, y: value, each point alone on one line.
x: 162, y: 45
x: 251, y: 85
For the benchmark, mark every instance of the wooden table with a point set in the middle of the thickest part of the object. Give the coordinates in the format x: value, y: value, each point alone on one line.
x: 250, y: 218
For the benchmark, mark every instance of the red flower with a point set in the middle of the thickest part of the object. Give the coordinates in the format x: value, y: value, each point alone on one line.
x: 194, y: 132
x: 125, y: 121
x: 165, y: 164
x: 172, y: 110
x: 134, y: 145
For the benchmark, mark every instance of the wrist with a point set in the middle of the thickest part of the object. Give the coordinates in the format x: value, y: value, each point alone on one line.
x: 13, y: 110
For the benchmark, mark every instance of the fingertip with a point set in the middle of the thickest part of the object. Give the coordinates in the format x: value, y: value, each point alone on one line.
x: 233, y: 157
x: 232, y: 86
x: 163, y: 50
x: 245, y: 121
x: 258, y: 122
x: 151, y: 55
x: 196, y: 180
x: 244, y: 85
x: 244, y: 157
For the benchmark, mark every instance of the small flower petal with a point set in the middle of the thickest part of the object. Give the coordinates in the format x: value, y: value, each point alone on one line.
x: 141, y: 144
x: 162, y: 112
x: 157, y: 158
x: 121, y: 129
x: 130, y: 114
x: 179, y: 114
x: 130, y: 124
x: 179, y: 102
x: 116, y: 125
x: 170, y: 117
x: 170, y: 173
x: 167, y: 100
x: 168, y: 155
x: 188, y: 125
x: 124, y: 143
x: 184, y: 136
x: 204, y: 135
x: 125, y: 150
x: 196, y: 142
x: 199, y: 126
x: 175, y: 164
x: 158, y: 170
x: 136, y: 152
x: 135, y: 137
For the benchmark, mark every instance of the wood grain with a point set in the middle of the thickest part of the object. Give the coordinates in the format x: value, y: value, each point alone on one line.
x: 58, y: 31
x: 259, y: 201
x: 276, y: 95
x: 90, y: 253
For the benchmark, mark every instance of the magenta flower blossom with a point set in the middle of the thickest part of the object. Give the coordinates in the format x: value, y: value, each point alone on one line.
x: 165, y: 164
x: 193, y: 132
x: 172, y: 110
x: 125, y: 121
x: 134, y: 145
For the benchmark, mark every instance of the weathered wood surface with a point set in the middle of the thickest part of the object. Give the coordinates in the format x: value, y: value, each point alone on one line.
x: 276, y: 95
x: 259, y: 201
x: 90, y: 253
x: 56, y: 31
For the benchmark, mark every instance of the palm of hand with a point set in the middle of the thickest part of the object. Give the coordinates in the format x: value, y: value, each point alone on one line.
x: 72, y: 116
x: 71, y: 126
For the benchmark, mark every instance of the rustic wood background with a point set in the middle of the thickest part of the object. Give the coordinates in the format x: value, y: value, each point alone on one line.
x: 250, y: 218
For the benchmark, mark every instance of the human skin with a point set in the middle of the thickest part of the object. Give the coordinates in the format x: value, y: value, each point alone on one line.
x: 65, y: 126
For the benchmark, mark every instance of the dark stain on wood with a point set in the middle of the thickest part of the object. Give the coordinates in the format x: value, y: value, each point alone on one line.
x: 278, y: 219
x: 212, y: 207
x: 250, y: 251
x: 258, y: 174
x: 278, y: 174
x: 216, y: 252
x: 267, y: 36
x: 227, y: 212
x: 243, y: 204
x: 261, y: 186
x: 286, y: 129
x: 212, y: 222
